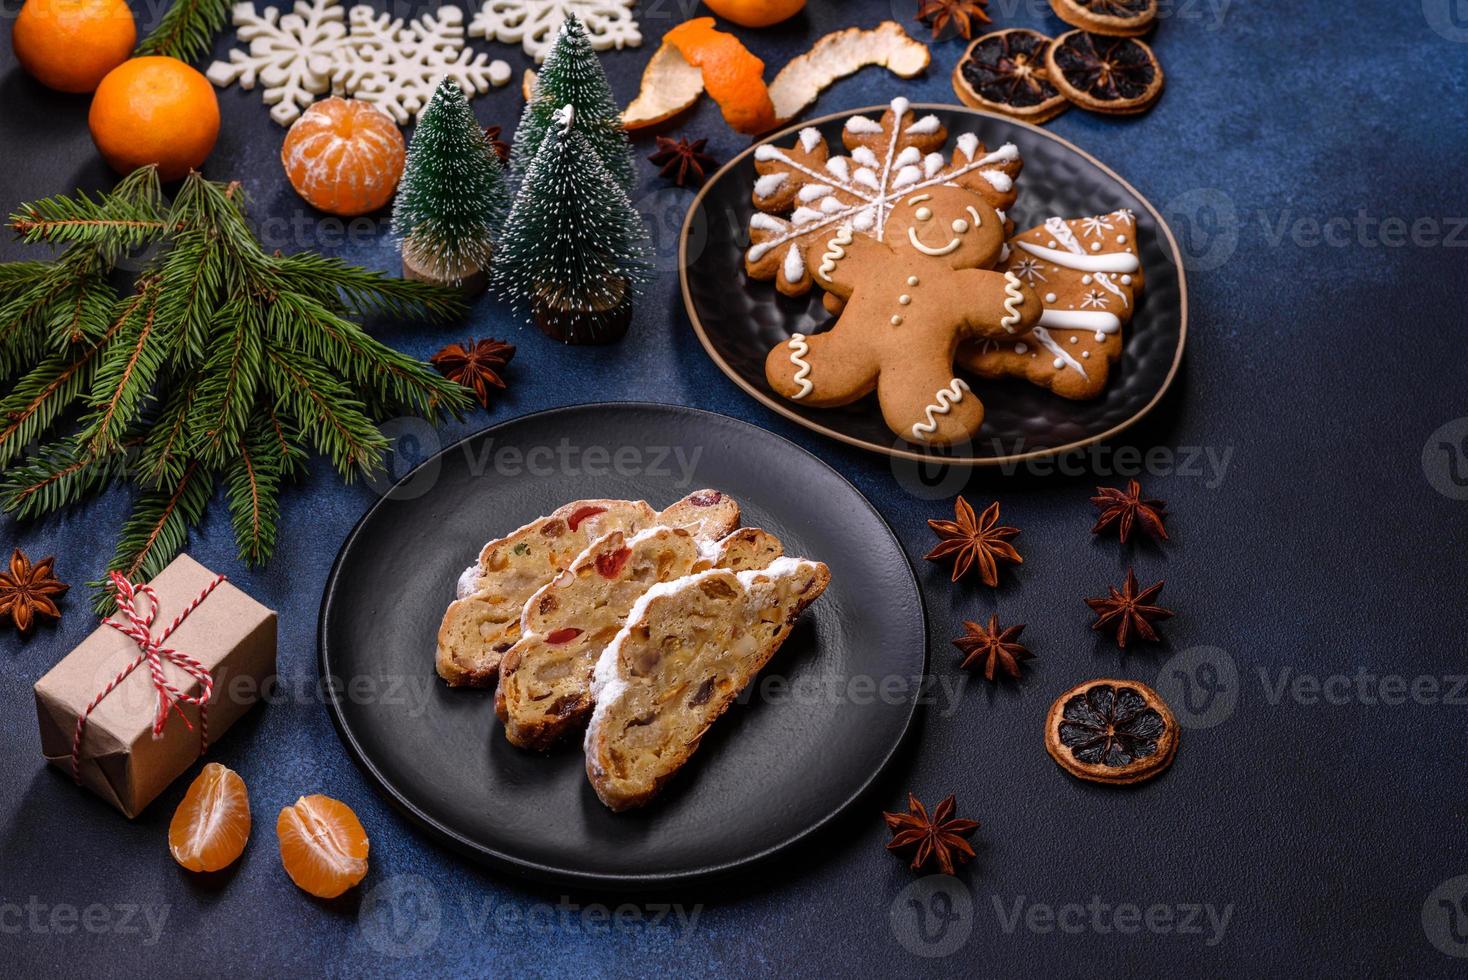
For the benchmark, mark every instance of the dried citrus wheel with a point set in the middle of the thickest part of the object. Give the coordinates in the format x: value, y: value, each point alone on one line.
x: 1005, y: 72
x: 322, y: 845
x: 1110, y: 731
x: 755, y: 13
x: 210, y: 827
x: 344, y: 156
x: 71, y: 45
x: 154, y: 110
x: 1118, y: 75
x: 731, y: 74
x: 1124, y: 18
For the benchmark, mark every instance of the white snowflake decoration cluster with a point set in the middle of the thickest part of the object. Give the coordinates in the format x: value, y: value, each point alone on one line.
x: 534, y: 24
x: 320, y: 48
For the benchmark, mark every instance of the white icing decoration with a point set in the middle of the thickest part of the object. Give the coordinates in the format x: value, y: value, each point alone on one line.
x: 948, y: 249
x: 909, y: 157
x: 945, y: 399
x: 925, y: 125
x: 1030, y: 270
x: 907, y: 176
x: 904, y: 300
x: 974, y: 213
x: 1094, y: 227
x: 1021, y: 347
x: 1085, y: 280
x: 897, y: 321
x: 1126, y: 280
x: 766, y: 222
x: 865, y: 220
x: 1051, y: 297
x: 1094, y: 300
x: 798, y: 351
x: 831, y: 205
x: 913, y: 280
x: 1100, y: 322
x: 813, y: 192
x: 968, y: 144
x: 1062, y: 359
x: 534, y: 24
x: 1002, y: 182
x: 863, y: 126
x: 864, y: 156
x: 766, y: 153
x: 794, y: 264
x: 932, y: 163
x: 866, y: 178
x: 767, y: 185
x: 836, y: 251
x: 1014, y: 298
x: 924, y: 214
x: 1113, y: 262
x: 839, y: 167
x: 960, y: 226
x: 804, y: 216
x: 810, y: 138
x: 1095, y: 246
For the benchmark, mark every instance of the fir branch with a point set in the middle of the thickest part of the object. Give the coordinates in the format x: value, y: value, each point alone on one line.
x: 365, y: 292
x: 40, y: 396
x: 191, y: 284
x: 253, y: 483
x: 125, y: 374
x: 22, y: 338
x: 57, y: 477
x: 158, y: 528
x: 328, y: 412
x: 114, y: 223
x: 187, y: 30
x: 83, y: 312
x: 16, y: 277
x: 231, y: 375
x: 163, y: 457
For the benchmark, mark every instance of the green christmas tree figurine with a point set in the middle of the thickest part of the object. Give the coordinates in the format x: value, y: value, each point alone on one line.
x: 452, y: 198
x: 574, y: 251
x: 573, y: 76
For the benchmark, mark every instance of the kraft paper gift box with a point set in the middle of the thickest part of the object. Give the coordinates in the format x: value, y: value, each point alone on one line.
x: 229, y: 633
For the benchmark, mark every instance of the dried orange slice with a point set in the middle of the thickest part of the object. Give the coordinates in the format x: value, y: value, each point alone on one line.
x: 1111, y: 731
x: 1005, y: 72
x: 210, y: 827
x: 322, y: 845
x: 1115, y: 75
x: 344, y: 156
x: 1124, y: 18
x: 731, y: 74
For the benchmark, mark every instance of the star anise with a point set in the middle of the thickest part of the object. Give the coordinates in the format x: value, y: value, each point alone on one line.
x: 992, y: 648
x: 1129, y: 611
x: 501, y: 148
x: 683, y: 162
x: 939, y: 837
x: 1125, y: 508
x: 962, y: 14
x: 476, y: 366
x: 972, y: 541
x: 26, y: 590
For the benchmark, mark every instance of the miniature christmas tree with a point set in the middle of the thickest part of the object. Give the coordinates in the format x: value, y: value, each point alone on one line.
x: 453, y: 195
x: 573, y: 76
x: 574, y: 250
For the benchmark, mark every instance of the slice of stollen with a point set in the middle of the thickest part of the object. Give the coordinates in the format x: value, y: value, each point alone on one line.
x: 545, y: 678
x: 688, y: 649
x: 484, y: 621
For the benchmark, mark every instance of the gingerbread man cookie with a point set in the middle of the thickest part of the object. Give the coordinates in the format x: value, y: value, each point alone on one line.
x: 1088, y: 274
x: 804, y: 193
x: 909, y: 301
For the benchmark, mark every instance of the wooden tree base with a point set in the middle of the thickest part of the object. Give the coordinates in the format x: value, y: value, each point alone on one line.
x: 587, y: 326
x: 473, y: 283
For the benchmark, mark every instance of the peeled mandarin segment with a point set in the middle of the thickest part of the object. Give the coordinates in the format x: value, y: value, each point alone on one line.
x: 322, y: 845
x: 344, y: 156
x: 212, y: 823
x: 731, y: 74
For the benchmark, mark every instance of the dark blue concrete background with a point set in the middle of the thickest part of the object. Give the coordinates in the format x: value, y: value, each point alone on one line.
x: 1319, y: 365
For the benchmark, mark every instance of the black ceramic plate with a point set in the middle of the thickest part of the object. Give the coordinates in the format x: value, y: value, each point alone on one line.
x: 769, y: 772
x: 739, y: 320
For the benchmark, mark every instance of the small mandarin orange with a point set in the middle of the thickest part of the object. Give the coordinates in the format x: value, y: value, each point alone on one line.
x: 322, y: 845
x: 155, y: 110
x: 344, y: 156
x: 71, y: 45
x: 212, y: 824
x: 756, y: 13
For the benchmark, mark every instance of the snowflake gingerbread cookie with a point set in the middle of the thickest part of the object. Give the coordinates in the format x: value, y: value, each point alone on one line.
x: 533, y: 24
x: 909, y: 298
x: 291, y: 55
x: 803, y: 193
x: 1087, y: 273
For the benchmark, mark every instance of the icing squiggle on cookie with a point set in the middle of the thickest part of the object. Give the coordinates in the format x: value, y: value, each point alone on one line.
x: 1062, y: 359
x: 948, y: 249
x: 1014, y: 298
x: 946, y: 398
x: 836, y: 251
x: 798, y: 351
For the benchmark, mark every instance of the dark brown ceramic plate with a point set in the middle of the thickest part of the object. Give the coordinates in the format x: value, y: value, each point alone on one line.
x: 739, y: 320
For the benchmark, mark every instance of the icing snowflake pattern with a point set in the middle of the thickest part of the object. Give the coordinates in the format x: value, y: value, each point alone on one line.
x: 533, y: 24
x: 396, y: 65
x: 804, y: 192
x: 1094, y: 300
x: 1029, y: 270
x: 1096, y: 227
x: 291, y: 55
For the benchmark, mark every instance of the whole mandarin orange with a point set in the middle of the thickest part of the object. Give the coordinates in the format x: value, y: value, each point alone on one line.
x: 155, y: 110
x: 70, y: 45
x: 756, y: 13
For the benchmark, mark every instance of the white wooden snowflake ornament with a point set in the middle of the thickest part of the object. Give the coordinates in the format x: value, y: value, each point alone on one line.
x: 533, y: 24
x: 397, y: 66
x: 291, y: 55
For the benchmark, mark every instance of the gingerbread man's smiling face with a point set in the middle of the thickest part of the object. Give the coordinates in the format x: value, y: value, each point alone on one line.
x: 948, y: 224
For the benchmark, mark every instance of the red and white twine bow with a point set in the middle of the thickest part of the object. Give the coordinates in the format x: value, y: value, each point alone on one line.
x: 138, y: 628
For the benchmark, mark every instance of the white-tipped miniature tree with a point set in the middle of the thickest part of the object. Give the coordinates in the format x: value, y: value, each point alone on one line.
x: 453, y: 196
x: 574, y: 252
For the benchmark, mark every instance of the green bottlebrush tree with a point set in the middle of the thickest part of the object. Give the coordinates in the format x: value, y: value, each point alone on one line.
x: 453, y: 195
x: 573, y: 76
x: 225, y: 364
x: 574, y: 251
